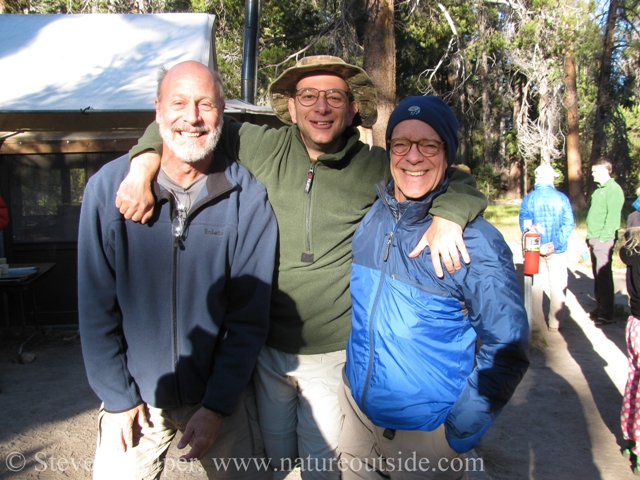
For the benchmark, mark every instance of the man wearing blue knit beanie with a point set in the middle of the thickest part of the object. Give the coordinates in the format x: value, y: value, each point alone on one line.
x: 416, y: 396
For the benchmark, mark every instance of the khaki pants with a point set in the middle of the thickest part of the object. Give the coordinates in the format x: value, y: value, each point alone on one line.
x: 366, y: 454
x: 300, y: 417
x: 237, y: 453
x: 552, y: 280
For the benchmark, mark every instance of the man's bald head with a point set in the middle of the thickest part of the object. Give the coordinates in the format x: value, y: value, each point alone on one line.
x: 191, y: 67
x: 189, y: 110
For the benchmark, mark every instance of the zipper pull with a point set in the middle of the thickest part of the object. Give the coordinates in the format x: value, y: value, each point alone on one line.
x: 307, y: 187
x: 386, y: 252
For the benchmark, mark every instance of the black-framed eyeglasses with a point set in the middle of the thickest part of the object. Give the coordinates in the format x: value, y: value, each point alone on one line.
x: 309, y: 96
x: 428, y: 148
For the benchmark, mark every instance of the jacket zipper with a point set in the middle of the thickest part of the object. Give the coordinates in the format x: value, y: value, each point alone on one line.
x: 372, y: 318
x: 174, y: 283
x: 307, y: 190
x: 174, y: 305
x: 307, y: 187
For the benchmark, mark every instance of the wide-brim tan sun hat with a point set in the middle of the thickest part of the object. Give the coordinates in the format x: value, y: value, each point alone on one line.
x: 360, y: 84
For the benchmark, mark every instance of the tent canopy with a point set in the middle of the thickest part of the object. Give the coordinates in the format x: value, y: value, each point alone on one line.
x: 98, y: 62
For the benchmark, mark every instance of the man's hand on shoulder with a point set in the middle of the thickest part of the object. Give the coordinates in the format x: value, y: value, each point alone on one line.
x: 444, y: 238
x: 134, y: 198
x: 117, y: 428
x: 201, y: 433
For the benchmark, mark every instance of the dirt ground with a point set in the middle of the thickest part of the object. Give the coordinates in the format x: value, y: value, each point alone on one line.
x: 562, y: 422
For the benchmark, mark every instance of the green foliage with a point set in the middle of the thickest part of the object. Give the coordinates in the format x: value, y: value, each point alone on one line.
x: 431, y: 58
x: 632, y: 118
x: 488, y: 181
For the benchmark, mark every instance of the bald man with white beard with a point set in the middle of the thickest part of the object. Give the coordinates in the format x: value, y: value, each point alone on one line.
x: 174, y: 313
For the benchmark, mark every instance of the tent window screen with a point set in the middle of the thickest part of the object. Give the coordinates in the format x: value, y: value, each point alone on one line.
x: 46, y: 194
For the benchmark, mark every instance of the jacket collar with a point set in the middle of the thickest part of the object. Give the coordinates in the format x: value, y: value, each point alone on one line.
x: 216, y: 185
x: 600, y: 185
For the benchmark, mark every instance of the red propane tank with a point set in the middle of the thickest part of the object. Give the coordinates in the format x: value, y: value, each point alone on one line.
x: 531, y: 250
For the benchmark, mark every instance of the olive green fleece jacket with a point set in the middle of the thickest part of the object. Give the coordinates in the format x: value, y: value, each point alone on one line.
x: 318, y: 208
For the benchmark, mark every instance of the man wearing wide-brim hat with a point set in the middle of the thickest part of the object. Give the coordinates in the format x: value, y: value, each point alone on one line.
x: 319, y: 178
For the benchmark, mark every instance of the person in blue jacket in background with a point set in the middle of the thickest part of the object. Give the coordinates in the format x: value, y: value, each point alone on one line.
x: 416, y: 395
x: 550, y: 211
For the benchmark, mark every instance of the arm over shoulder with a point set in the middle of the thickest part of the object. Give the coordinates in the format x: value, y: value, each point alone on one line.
x: 150, y: 140
x: 462, y: 202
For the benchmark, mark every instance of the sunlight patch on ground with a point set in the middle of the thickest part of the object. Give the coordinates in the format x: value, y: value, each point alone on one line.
x: 615, y: 359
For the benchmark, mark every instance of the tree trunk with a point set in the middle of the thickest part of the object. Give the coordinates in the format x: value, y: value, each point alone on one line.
x: 380, y: 61
x: 544, y: 113
x: 463, y: 148
x: 522, y: 165
x: 574, y: 159
x: 514, y: 181
x: 603, y: 106
x: 486, y: 97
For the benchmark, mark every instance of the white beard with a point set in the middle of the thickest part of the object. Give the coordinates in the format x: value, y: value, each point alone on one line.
x: 184, y: 148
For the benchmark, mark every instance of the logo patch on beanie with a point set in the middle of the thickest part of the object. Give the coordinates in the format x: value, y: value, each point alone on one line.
x: 415, y: 110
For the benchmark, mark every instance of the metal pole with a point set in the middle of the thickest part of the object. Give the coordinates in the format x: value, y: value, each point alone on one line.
x: 250, y: 50
x: 528, y: 283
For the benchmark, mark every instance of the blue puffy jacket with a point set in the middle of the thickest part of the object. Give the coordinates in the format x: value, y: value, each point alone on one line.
x: 411, y: 352
x: 551, y: 210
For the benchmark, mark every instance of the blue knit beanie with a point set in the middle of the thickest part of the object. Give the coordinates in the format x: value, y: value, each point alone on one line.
x: 436, y: 113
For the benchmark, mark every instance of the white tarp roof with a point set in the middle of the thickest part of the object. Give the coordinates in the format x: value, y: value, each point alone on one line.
x: 105, y: 62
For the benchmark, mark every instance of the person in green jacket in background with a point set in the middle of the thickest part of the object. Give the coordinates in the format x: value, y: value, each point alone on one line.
x: 320, y: 181
x: 603, y: 222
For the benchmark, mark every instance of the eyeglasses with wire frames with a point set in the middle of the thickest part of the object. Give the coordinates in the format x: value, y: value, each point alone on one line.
x: 426, y: 147
x: 335, y: 97
x: 180, y: 211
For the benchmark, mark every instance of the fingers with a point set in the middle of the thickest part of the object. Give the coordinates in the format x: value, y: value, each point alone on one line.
x: 123, y: 423
x: 186, y: 437
x: 143, y: 418
x: 201, y: 431
x: 145, y: 218
x: 451, y: 262
x: 447, y: 246
x: 197, y: 452
x: 451, y: 254
x: 133, y: 210
x: 422, y: 244
x: 454, y: 258
x: 435, y: 261
x: 134, y: 199
x: 463, y: 251
x: 122, y: 443
x: 127, y: 436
